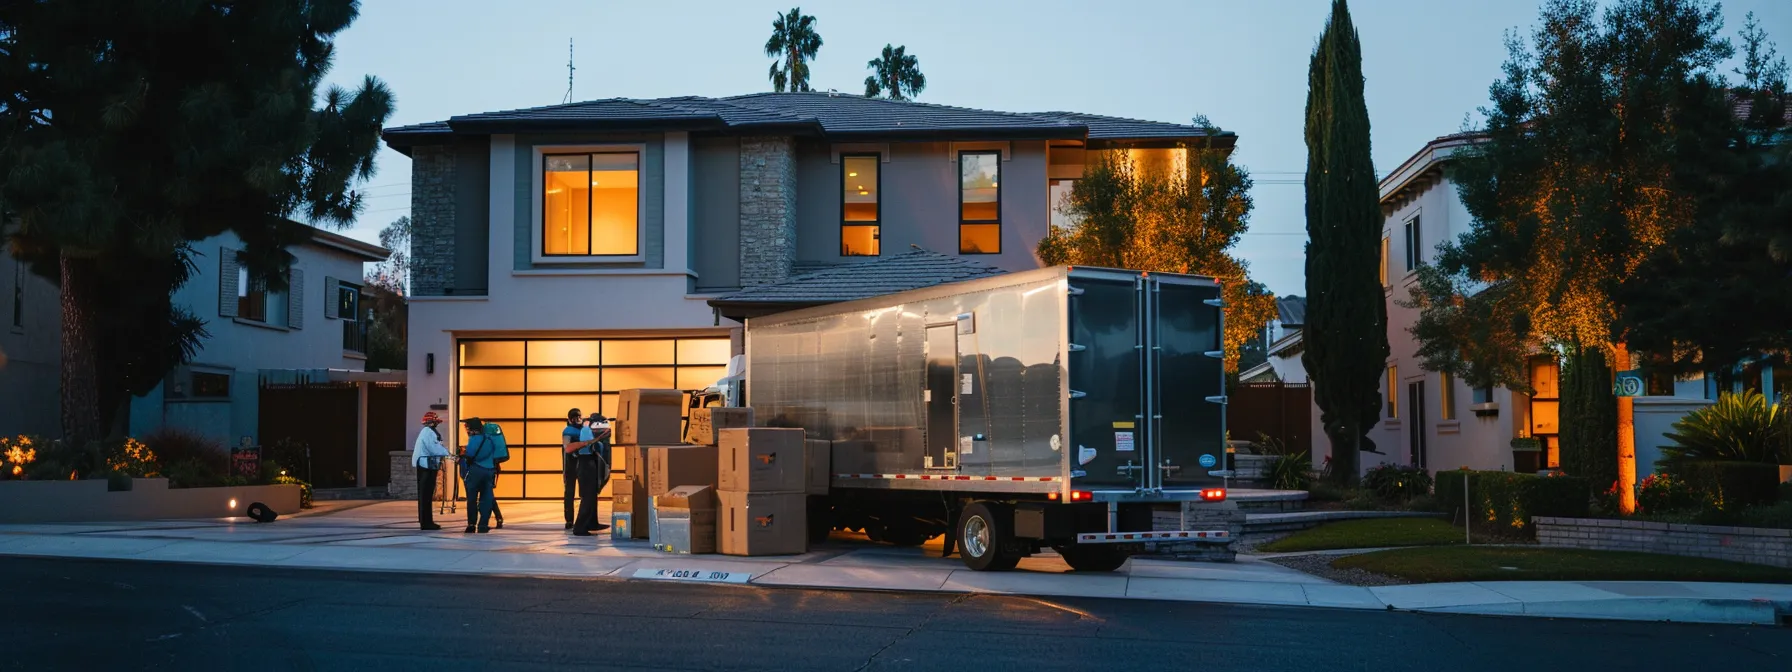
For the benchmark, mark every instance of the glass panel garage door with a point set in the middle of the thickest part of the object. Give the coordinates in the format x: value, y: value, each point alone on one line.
x: 527, y: 386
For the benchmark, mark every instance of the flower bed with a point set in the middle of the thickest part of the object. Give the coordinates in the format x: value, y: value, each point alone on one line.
x: 1762, y: 546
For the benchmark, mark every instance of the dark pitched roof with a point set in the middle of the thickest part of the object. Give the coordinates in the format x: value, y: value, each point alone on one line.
x: 1291, y: 310
x: 914, y: 269
x: 832, y: 115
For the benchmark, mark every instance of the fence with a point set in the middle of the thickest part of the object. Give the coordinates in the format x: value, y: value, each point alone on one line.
x: 1281, y: 411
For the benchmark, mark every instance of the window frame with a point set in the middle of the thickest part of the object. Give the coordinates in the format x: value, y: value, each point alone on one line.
x: 247, y: 287
x: 1446, y: 396
x: 1385, y: 272
x: 353, y: 314
x: 538, y: 185
x: 1414, y: 252
x: 1392, y: 394
x: 962, y: 222
x: 877, y: 224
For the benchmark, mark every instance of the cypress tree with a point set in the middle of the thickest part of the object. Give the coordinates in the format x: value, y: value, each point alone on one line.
x: 1346, y: 331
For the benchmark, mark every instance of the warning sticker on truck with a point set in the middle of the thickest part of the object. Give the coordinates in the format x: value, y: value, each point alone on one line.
x: 1123, y: 442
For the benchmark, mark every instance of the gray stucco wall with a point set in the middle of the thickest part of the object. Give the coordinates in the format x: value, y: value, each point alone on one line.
x: 472, y: 215
x: 31, y: 366
x: 920, y: 202
x: 715, y: 212
x: 652, y: 180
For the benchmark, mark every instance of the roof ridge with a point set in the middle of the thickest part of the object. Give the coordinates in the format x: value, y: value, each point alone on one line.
x: 540, y: 108
x: 752, y: 108
x: 1109, y: 116
x: 917, y: 103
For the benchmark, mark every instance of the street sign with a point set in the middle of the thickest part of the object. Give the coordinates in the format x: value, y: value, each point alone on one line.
x: 1629, y: 384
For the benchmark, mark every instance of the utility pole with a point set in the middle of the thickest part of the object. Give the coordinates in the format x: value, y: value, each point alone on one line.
x: 569, y: 69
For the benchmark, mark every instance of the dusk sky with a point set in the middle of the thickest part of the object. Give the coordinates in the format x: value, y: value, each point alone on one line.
x: 1428, y: 64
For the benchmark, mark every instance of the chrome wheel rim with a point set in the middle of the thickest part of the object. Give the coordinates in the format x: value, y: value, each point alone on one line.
x: 976, y: 536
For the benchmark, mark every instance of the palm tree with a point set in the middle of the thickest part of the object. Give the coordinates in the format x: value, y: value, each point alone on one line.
x: 895, y: 75
x: 795, y: 40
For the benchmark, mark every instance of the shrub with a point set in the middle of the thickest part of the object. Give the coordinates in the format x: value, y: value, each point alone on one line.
x: 194, y: 473
x: 1396, y: 483
x: 1663, y: 493
x: 1510, y: 500
x: 304, y: 489
x: 1740, y: 427
x: 1327, y: 491
x: 1291, y: 472
x: 1725, y: 485
x: 133, y: 459
x: 1785, y: 492
x: 176, y: 444
x: 61, y: 461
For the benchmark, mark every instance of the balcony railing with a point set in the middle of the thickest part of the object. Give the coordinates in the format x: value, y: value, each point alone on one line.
x: 354, y: 336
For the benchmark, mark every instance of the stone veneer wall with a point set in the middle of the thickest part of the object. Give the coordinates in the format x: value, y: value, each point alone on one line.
x: 1761, y: 546
x: 404, y: 477
x: 767, y: 209
x: 432, y: 219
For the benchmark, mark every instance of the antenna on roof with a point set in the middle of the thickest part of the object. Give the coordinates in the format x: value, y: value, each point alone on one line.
x: 569, y: 69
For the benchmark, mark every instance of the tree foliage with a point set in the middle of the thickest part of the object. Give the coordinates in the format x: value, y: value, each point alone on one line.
x: 795, y: 42
x: 135, y: 127
x: 1346, y: 331
x: 1174, y: 211
x: 389, y: 285
x: 895, y: 75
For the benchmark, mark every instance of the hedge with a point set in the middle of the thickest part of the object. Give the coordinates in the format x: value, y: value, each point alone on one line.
x: 1727, y: 484
x: 1509, y: 500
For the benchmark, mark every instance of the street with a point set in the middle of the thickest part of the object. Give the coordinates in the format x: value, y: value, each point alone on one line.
x: 83, y: 614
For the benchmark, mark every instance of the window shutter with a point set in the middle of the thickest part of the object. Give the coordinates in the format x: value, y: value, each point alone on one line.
x: 332, y: 295
x: 227, y: 269
x: 295, y: 299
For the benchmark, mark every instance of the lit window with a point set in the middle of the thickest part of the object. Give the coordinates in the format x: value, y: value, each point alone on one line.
x: 1446, y: 396
x: 211, y: 385
x: 1384, y: 261
x: 1393, y: 395
x: 251, y: 294
x: 860, y: 232
x: 1058, y: 195
x: 591, y: 204
x: 980, y: 203
x: 1414, y: 252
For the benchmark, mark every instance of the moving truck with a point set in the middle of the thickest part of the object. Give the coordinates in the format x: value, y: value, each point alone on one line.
x: 1060, y: 407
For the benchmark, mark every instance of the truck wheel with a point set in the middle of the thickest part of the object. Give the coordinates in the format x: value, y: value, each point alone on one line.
x: 1092, y: 557
x: 985, y: 537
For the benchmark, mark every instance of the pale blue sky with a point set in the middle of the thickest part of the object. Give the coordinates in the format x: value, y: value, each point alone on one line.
x: 1244, y: 64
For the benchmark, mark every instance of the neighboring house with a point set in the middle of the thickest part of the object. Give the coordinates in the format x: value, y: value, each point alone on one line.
x: 562, y: 254
x: 1281, y: 338
x: 317, y: 324
x: 30, y: 351
x: 1435, y: 421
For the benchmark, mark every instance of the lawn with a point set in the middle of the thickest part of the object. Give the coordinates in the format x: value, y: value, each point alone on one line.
x: 1505, y: 563
x: 1368, y: 533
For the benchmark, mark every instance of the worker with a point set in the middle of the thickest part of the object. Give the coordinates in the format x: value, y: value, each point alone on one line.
x: 479, y: 467
x: 427, y: 457
x: 569, y: 465
x: 584, y: 451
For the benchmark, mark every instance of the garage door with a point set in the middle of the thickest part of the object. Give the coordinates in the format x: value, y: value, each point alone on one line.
x: 527, y: 385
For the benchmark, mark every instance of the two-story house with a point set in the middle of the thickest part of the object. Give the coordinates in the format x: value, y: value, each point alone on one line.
x: 564, y: 253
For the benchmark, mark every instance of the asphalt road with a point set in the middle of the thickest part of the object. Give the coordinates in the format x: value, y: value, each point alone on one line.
x: 92, y: 615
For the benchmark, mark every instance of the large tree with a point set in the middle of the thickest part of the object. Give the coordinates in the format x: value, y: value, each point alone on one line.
x: 391, y: 282
x: 1148, y: 211
x: 1346, y: 336
x: 895, y: 75
x: 135, y: 127
x: 795, y: 42
x: 1578, y: 179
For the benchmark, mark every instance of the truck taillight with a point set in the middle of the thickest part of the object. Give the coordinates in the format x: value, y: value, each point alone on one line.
x: 1213, y: 495
x: 1075, y: 496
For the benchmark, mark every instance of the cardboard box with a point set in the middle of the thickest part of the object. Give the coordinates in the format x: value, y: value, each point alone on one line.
x: 761, y: 459
x: 754, y: 523
x: 629, y: 517
x: 649, y: 417
x: 684, y: 520
x: 671, y: 466
x: 629, y: 461
x: 818, y: 462
x: 706, y: 422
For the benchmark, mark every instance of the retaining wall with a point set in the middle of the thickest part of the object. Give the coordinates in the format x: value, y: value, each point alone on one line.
x: 1761, y: 546
x: 148, y: 499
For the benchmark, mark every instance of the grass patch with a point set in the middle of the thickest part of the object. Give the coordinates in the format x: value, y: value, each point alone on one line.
x: 1368, y: 533
x: 1485, y: 563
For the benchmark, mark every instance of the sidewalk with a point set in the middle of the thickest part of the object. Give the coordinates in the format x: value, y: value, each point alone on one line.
x: 383, y: 537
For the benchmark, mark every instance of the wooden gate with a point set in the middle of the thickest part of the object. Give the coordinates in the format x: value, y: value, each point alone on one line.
x: 1282, y: 411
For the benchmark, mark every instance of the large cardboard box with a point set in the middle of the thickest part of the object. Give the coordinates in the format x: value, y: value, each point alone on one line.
x: 705, y: 423
x: 649, y: 417
x: 671, y: 466
x: 629, y: 461
x: 818, y: 460
x: 755, y: 523
x: 629, y: 509
x: 684, y: 520
x: 761, y: 459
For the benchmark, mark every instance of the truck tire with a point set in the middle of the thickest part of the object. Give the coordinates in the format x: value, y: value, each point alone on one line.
x: 985, y: 537
x: 1091, y: 557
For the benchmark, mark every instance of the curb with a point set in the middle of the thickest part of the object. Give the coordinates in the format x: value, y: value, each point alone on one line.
x: 1656, y: 609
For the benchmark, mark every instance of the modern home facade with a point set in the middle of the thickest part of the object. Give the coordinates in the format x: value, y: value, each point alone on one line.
x: 565, y: 253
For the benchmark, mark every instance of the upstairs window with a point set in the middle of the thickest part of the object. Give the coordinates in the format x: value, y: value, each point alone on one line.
x: 1384, y: 262
x: 980, y: 202
x: 1446, y: 396
x: 251, y: 296
x: 1393, y: 393
x: 1414, y: 251
x: 591, y: 204
x: 860, y: 216
x: 244, y: 296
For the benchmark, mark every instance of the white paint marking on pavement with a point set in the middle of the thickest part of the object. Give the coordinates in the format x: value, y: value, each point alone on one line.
x: 165, y: 637
x: 195, y: 613
x: 691, y: 574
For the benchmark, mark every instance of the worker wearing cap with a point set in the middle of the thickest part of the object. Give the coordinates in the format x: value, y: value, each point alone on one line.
x: 427, y: 456
x: 583, y: 447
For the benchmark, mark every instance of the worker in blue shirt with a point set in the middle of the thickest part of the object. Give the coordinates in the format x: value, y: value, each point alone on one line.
x: 584, y: 449
x: 480, y: 470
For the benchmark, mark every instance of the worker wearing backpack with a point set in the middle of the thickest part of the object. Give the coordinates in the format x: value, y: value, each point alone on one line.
x: 479, y: 465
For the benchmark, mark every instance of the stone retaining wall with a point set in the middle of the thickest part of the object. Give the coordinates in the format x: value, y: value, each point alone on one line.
x: 404, y: 477
x: 1761, y: 546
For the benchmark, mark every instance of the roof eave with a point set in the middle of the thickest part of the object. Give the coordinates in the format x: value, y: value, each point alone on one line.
x: 490, y: 126
x: 967, y: 134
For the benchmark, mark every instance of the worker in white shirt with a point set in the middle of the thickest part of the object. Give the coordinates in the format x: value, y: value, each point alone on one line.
x: 427, y: 455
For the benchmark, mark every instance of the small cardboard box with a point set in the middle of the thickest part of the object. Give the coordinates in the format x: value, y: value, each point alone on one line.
x: 684, y: 520
x: 649, y: 417
x: 628, y: 508
x: 761, y: 459
x: 706, y: 422
x: 818, y: 460
x: 671, y: 466
x: 754, y: 523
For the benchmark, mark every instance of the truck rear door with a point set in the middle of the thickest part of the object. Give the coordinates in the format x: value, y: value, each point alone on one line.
x: 1187, y: 381
x: 1106, y: 367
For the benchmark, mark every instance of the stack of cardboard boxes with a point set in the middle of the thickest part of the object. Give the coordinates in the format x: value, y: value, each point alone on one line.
x: 763, y: 491
x: 644, y: 418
